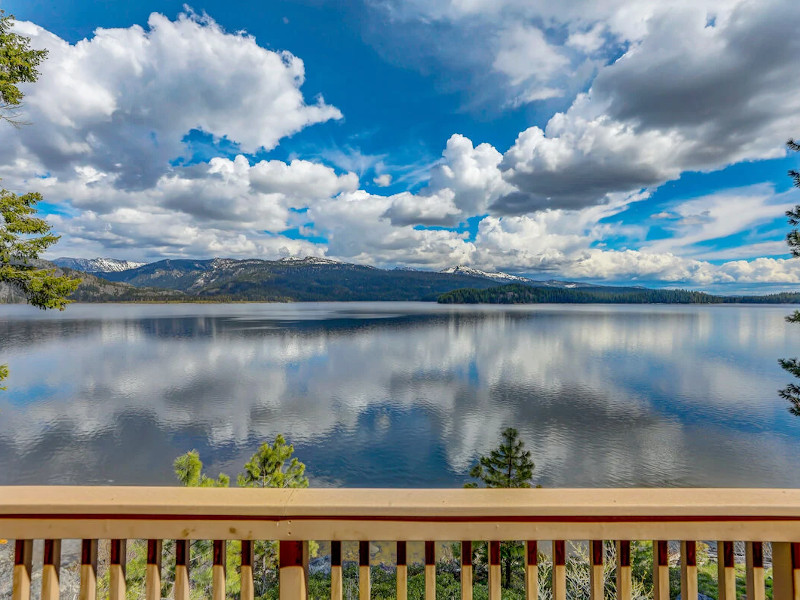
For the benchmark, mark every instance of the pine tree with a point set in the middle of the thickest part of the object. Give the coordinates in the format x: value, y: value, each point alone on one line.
x: 507, y: 466
x: 23, y: 236
x: 268, y: 467
x: 189, y: 471
x: 792, y: 365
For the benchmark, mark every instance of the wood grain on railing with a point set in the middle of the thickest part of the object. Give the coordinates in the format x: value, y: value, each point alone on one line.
x: 182, y: 550
x: 88, y: 589
x: 688, y: 569
x: 531, y: 570
x: 624, y: 589
x: 293, y: 517
x: 116, y: 569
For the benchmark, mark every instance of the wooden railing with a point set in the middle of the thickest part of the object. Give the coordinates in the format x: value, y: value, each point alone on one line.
x: 293, y: 517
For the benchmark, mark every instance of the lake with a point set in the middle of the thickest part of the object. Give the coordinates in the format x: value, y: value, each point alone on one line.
x: 400, y: 394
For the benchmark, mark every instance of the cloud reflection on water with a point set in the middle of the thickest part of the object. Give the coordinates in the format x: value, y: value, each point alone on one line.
x: 399, y: 395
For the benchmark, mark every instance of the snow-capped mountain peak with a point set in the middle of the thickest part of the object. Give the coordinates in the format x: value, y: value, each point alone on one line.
x: 309, y: 260
x: 97, y: 265
x: 472, y: 272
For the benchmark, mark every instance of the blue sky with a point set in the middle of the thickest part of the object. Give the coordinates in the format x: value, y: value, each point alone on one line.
x: 607, y: 141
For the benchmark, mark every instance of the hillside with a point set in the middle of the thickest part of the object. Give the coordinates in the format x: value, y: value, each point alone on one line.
x: 307, y: 280
x: 96, y: 289
x: 96, y: 266
x: 323, y: 280
x: 516, y: 293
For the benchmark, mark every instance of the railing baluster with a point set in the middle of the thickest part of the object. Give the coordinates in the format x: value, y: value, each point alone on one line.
x: 785, y: 571
x: 218, y: 570
x: 559, y: 570
x: 466, y: 571
x: 363, y: 571
x: 293, y: 559
x: 726, y: 579
x: 754, y: 558
x: 531, y: 570
x: 660, y: 570
x: 247, y: 587
x: 182, y: 549
x: 88, y: 589
x: 624, y: 570
x: 152, y: 574
x: 336, y: 570
x: 430, y: 571
x: 494, y: 571
x: 596, y: 571
x: 688, y: 569
x: 402, y: 571
x: 51, y: 566
x: 23, y: 559
x: 116, y: 569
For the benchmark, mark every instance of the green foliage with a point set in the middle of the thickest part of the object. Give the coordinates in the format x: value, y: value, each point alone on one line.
x: 268, y: 467
x: 23, y: 236
x: 189, y: 471
x: 518, y: 293
x: 507, y: 466
x: 791, y: 392
x: 18, y: 64
x: 271, y: 466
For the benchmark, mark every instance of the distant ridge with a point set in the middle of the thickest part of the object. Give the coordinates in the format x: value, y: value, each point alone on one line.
x: 465, y: 270
x: 96, y: 265
x: 315, y: 279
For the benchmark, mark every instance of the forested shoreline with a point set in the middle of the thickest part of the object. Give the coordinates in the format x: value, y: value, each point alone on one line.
x: 516, y: 293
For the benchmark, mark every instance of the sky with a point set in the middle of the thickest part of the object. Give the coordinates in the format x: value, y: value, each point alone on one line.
x: 611, y: 141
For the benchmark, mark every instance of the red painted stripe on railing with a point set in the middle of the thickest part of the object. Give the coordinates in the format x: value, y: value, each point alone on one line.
x: 181, y: 553
x: 19, y: 552
x: 494, y: 553
x: 291, y: 554
x: 466, y: 554
x: 410, y: 518
x: 116, y: 552
x: 597, y: 552
x: 758, y: 555
x: 247, y: 553
x: 219, y: 553
x: 532, y: 552
x: 49, y: 552
x: 624, y: 553
x: 663, y: 554
x: 559, y: 552
x: 336, y: 554
x: 727, y: 554
x: 691, y: 554
x: 430, y: 553
x: 86, y: 552
x: 401, y: 553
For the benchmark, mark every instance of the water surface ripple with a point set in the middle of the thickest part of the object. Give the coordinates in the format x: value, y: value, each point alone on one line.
x: 400, y: 394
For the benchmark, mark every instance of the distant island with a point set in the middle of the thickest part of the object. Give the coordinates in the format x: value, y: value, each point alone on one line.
x: 313, y: 279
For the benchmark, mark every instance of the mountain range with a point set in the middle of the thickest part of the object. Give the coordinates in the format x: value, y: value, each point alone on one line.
x: 288, y: 279
x: 320, y: 279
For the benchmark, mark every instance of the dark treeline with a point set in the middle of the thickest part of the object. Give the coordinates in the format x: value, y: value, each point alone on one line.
x: 516, y: 293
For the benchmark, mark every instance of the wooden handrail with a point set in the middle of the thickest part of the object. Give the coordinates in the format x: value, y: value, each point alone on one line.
x: 399, y: 514
x: 296, y: 516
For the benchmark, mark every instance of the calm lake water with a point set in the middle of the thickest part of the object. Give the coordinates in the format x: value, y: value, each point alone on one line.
x: 400, y: 394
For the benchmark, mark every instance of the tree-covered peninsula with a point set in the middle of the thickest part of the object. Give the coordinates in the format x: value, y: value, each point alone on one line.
x: 516, y: 293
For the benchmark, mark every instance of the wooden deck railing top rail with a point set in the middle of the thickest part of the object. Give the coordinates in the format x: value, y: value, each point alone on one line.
x: 401, y: 515
x: 398, y: 514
